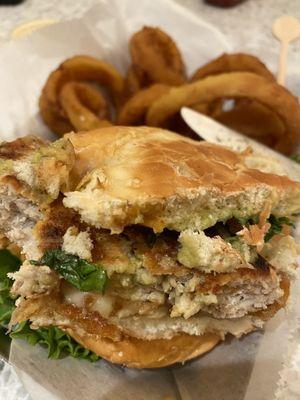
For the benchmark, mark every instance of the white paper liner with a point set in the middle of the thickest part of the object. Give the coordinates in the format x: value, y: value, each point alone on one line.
x: 11, y: 387
x: 289, y: 382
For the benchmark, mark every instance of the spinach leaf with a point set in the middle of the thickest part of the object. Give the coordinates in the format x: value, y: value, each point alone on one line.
x: 277, y: 224
x: 7, y: 306
x: 296, y: 158
x: 85, y: 276
x: 58, y: 343
x: 8, y: 263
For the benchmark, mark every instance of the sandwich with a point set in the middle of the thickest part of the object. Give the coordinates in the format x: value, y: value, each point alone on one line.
x: 145, y: 247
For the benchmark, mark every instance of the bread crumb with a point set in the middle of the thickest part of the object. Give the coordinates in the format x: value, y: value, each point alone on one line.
x: 78, y: 243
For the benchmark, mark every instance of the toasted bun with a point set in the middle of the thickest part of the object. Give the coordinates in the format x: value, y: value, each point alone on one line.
x: 160, y: 179
x: 138, y: 353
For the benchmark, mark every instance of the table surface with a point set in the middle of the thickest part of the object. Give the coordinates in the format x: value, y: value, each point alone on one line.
x: 246, y: 26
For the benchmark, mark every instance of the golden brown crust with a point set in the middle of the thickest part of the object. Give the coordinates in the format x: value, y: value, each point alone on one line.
x: 213, y: 283
x: 156, y: 57
x: 56, y: 221
x: 85, y: 107
x: 163, y: 163
x: 78, y: 68
x: 132, y: 82
x: 254, y: 120
x: 134, y: 110
x: 237, y: 62
x: 137, y: 353
x: 158, y: 179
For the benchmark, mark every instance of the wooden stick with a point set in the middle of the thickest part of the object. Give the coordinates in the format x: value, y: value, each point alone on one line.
x: 282, y: 63
x: 285, y: 29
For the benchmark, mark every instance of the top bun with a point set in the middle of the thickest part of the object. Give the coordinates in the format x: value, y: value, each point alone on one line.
x: 154, y: 177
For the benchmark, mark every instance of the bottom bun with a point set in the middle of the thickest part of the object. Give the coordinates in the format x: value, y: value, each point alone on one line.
x: 138, y: 353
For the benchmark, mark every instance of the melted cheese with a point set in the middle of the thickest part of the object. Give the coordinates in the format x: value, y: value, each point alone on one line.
x: 74, y: 296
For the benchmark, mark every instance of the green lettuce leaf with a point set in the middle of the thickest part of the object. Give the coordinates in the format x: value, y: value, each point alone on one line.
x: 58, y: 343
x: 8, y: 263
x: 277, y: 223
x: 85, y: 276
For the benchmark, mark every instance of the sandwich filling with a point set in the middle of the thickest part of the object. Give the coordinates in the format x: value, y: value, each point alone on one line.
x: 158, y: 285
x: 114, y: 252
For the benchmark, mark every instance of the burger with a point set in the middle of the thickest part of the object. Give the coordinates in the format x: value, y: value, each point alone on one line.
x: 146, y: 247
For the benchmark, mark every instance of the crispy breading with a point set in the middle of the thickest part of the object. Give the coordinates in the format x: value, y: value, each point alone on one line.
x: 20, y: 148
x: 55, y: 223
x: 36, y: 169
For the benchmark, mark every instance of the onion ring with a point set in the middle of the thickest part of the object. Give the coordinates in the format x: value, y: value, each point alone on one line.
x: 234, y: 85
x: 132, y: 82
x: 86, y: 68
x: 53, y: 118
x: 85, y: 106
x: 156, y: 57
x: 78, y: 68
x: 238, y: 62
x: 213, y: 108
x: 254, y: 120
x: 134, y: 110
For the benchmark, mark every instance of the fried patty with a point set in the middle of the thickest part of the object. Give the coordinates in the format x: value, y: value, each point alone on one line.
x: 143, y: 269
